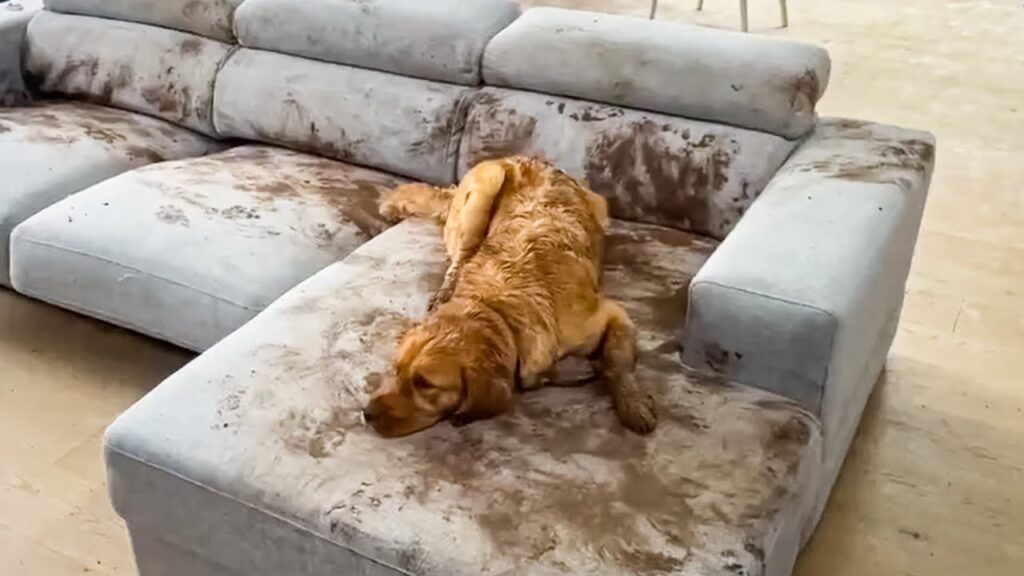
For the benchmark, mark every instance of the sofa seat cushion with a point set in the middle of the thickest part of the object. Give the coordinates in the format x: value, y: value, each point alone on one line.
x: 253, y: 456
x: 438, y: 40
x: 53, y: 149
x: 189, y: 251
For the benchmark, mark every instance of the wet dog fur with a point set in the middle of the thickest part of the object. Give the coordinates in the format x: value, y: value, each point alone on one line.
x: 522, y: 291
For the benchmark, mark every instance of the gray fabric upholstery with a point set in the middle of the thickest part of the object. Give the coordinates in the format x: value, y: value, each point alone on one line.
x: 53, y: 149
x: 751, y: 81
x: 162, y: 73
x: 182, y: 528
x: 658, y: 169
x: 437, y: 39
x: 803, y: 297
x: 155, y: 556
x: 263, y: 428
x: 399, y: 124
x: 210, y: 18
x: 12, y: 36
x: 189, y: 251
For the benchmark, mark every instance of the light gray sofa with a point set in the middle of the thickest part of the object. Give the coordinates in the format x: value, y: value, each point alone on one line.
x: 206, y: 172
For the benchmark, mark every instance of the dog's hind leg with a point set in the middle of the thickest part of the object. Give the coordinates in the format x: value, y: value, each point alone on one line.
x: 613, y: 344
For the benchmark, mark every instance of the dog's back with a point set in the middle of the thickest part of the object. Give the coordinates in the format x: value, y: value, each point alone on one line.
x: 544, y: 239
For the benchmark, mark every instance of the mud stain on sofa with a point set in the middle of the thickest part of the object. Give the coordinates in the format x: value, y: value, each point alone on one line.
x: 804, y: 90
x: 169, y: 214
x: 648, y: 179
x: 274, y: 177
x: 61, y: 123
x: 496, y: 131
x: 881, y: 161
x: 640, y: 271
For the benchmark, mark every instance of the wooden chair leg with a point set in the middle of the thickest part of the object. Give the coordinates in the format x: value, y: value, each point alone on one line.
x: 700, y: 4
x: 654, y: 8
x: 743, y: 16
x: 785, y: 14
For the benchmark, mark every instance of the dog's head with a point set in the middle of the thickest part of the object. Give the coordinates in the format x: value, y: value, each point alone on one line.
x: 452, y: 366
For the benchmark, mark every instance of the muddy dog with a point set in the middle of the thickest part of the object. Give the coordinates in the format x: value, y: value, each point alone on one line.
x: 526, y: 245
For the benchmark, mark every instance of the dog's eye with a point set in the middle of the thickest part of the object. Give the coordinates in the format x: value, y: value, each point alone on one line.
x: 420, y: 383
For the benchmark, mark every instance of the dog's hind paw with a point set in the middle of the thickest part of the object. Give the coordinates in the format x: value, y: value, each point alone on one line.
x: 638, y: 413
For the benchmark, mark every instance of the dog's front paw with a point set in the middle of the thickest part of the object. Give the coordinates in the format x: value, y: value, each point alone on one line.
x: 638, y: 413
x: 391, y: 211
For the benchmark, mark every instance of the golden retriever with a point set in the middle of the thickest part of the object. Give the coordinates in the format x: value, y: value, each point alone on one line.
x: 526, y: 244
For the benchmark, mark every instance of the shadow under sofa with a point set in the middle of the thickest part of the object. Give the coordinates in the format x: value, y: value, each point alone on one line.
x: 207, y: 173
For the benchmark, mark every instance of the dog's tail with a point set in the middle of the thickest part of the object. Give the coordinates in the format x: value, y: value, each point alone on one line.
x: 417, y: 201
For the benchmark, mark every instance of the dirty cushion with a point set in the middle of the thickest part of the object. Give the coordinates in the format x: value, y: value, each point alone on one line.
x: 399, y: 124
x: 740, y: 79
x: 252, y: 456
x: 189, y: 251
x: 145, y: 69
x: 13, y: 22
x: 53, y: 149
x: 658, y: 169
x: 211, y: 18
x: 438, y: 40
x: 804, y: 296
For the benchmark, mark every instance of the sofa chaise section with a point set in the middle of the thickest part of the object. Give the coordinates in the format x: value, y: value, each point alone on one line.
x: 252, y: 459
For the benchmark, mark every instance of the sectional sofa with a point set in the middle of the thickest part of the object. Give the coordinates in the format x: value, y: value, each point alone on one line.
x: 206, y: 172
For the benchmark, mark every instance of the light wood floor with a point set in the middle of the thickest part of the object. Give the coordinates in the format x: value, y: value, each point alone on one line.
x: 935, y: 482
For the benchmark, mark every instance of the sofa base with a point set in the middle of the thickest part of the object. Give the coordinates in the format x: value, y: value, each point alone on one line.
x: 157, y: 557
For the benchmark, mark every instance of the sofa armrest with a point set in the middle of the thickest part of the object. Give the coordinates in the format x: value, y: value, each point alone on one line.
x: 14, y: 17
x: 802, y: 298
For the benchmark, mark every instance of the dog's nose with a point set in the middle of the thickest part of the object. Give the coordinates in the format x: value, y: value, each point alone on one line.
x: 366, y: 416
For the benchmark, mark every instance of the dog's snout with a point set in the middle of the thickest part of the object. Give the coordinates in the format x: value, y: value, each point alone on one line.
x: 366, y: 415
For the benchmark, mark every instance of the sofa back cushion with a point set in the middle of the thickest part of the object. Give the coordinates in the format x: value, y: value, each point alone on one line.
x: 154, y: 71
x: 403, y: 125
x: 210, y: 18
x: 686, y: 174
x: 739, y: 79
x: 432, y: 39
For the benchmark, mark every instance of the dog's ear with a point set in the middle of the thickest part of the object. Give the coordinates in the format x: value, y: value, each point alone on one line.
x: 410, y: 343
x: 484, y: 395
